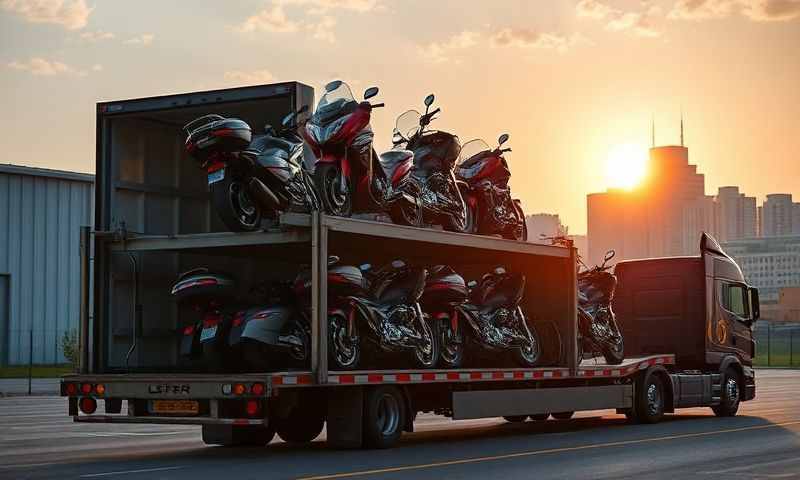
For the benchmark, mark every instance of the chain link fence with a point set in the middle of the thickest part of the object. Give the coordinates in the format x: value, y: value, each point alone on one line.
x: 777, y: 344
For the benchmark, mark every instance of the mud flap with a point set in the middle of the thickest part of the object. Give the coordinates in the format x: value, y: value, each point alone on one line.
x: 345, y: 417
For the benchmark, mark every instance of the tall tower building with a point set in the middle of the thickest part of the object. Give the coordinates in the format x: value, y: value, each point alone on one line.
x: 777, y: 213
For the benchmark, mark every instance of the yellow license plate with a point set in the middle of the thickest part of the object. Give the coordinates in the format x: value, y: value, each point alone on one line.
x: 175, y: 407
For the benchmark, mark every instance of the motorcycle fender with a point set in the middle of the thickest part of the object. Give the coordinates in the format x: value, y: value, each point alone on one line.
x: 343, y: 162
x: 265, y: 325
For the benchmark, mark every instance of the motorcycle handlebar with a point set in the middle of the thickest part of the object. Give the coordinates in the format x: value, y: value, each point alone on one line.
x: 378, y: 105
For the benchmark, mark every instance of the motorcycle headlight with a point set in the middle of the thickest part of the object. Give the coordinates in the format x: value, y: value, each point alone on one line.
x: 321, y: 134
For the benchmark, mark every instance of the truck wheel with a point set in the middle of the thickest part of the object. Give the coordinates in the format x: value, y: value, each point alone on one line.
x: 730, y: 396
x: 234, y: 205
x: 539, y: 417
x: 650, y: 400
x: 563, y: 415
x: 384, y: 416
x: 515, y: 418
x: 303, y: 424
x: 231, y: 436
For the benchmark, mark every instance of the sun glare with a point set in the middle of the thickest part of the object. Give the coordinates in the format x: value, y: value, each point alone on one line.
x: 626, y: 165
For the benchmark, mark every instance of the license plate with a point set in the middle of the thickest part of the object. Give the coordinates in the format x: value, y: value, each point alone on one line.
x: 208, y: 333
x: 175, y: 407
x: 216, y: 176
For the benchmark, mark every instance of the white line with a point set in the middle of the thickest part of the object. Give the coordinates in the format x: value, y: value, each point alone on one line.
x: 754, y: 465
x: 125, y: 472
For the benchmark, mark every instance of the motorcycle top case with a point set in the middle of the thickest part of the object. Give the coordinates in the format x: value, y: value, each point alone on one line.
x: 213, y: 134
x: 203, y: 287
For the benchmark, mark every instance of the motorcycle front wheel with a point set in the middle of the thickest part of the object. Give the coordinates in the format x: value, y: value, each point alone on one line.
x: 451, y: 344
x: 234, y: 205
x: 427, y: 354
x: 343, y: 348
x: 336, y: 199
x: 528, y: 355
x: 471, y: 223
x: 614, y: 351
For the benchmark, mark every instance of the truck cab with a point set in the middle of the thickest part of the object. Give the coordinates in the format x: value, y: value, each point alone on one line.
x: 699, y: 307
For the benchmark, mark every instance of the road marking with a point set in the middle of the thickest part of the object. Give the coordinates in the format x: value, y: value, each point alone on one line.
x: 133, y: 434
x: 542, y: 452
x: 125, y: 472
x: 754, y: 465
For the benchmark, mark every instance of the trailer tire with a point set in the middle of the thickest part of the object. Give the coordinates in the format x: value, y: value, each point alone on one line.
x: 562, y: 415
x: 730, y: 395
x: 539, y: 417
x: 384, y: 416
x: 650, y: 399
x: 515, y: 418
x: 303, y: 424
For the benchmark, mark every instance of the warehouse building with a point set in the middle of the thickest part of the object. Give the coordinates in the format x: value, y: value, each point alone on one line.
x: 41, y: 212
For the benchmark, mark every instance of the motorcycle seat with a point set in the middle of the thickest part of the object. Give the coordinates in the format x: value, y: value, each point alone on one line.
x: 262, y: 143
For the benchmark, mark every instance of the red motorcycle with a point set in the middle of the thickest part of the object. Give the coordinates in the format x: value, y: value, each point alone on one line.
x: 483, y: 176
x: 348, y: 174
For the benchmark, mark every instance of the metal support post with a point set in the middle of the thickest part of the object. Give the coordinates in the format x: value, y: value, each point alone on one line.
x: 319, y: 300
x: 85, y: 253
x: 572, y: 295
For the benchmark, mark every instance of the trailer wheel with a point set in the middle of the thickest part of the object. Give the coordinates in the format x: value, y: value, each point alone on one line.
x: 539, y: 417
x: 384, y: 416
x: 303, y: 424
x: 515, y: 418
x: 563, y: 415
x: 731, y: 394
x: 650, y: 399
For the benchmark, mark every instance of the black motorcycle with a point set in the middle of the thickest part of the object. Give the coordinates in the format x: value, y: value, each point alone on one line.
x: 252, y: 177
x: 446, y: 290
x: 483, y: 176
x: 430, y: 194
x: 344, y: 281
x: 597, y: 324
x: 394, y: 318
x: 496, y: 320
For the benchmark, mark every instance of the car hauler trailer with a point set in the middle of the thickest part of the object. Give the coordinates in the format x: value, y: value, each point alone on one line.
x: 153, y: 220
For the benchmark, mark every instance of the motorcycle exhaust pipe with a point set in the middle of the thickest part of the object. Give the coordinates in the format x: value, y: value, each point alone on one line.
x: 263, y: 195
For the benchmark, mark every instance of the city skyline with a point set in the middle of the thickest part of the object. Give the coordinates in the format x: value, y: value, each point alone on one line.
x: 572, y: 82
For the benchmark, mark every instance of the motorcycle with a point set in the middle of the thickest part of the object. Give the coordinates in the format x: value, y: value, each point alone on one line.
x: 252, y: 177
x: 344, y: 281
x: 445, y: 290
x: 483, y: 176
x: 435, y: 198
x: 394, y: 318
x: 497, y: 321
x: 347, y: 174
x: 597, y: 323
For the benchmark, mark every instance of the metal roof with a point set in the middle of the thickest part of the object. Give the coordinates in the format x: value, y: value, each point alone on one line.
x: 46, y: 172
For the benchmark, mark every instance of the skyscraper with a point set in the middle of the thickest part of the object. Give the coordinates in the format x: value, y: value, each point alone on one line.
x: 777, y: 213
x: 735, y: 215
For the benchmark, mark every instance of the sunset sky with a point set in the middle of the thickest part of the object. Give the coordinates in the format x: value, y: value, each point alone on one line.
x: 570, y: 81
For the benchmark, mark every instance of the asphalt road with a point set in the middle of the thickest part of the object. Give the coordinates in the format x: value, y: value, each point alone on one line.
x: 38, y: 440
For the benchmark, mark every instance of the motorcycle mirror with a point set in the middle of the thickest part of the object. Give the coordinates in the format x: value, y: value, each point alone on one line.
x: 370, y: 92
x: 398, y: 264
x: 609, y: 255
x: 332, y: 260
x: 429, y: 100
x: 365, y: 267
x: 499, y: 271
x: 331, y: 86
x: 472, y: 284
x: 397, y: 137
x: 503, y: 139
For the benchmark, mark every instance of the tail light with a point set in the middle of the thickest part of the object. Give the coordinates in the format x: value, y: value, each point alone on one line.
x: 86, y: 388
x: 257, y: 389
x: 100, y: 389
x: 188, y: 330
x: 238, y: 319
x: 239, y: 389
x: 252, y: 408
x: 88, y: 405
x: 212, y: 319
x: 71, y: 389
x: 213, y: 167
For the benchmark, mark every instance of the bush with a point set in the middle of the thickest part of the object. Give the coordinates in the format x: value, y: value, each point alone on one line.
x: 71, y: 349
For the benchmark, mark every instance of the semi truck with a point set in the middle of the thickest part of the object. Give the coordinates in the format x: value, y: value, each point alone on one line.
x: 687, y: 322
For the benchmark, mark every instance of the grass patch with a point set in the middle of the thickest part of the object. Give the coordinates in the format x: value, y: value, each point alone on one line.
x: 777, y: 359
x: 50, y: 371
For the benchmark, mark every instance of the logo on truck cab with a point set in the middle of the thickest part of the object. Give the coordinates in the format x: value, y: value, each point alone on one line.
x: 169, y: 388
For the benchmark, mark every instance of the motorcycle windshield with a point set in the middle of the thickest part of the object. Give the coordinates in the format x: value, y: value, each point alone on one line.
x: 471, y: 149
x: 337, y: 101
x: 407, y: 124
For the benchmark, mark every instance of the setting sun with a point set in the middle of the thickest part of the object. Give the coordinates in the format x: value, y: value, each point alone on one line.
x: 626, y: 165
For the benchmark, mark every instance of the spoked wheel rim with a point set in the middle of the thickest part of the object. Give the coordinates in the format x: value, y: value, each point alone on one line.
x: 654, y: 400
x: 388, y: 415
x: 336, y: 192
x: 452, y: 345
x: 345, y: 347
x: 243, y: 207
x: 531, y: 351
x: 426, y: 353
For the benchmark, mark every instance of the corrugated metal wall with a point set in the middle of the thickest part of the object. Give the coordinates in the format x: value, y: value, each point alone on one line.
x: 41, y: 213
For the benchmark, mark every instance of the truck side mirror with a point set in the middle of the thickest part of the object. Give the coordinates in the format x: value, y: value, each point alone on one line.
x: 754, y: 304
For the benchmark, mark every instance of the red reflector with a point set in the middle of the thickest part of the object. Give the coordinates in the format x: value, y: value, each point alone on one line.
x: 257, y: 389
x: 253, y: 407
x: 88, y: 405
x: 188, y: 330
x: 239, y: 389
x: 86, y: 388
x: 71, y: 389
